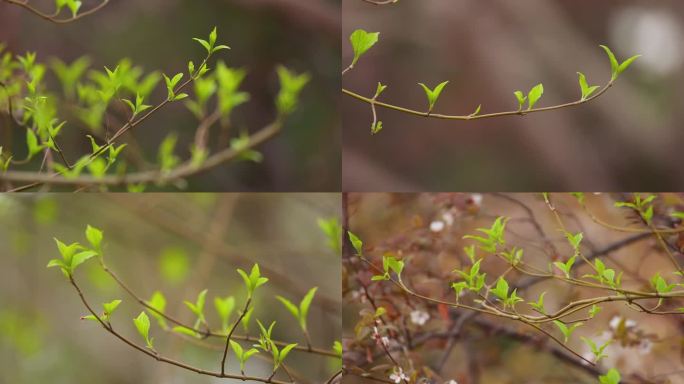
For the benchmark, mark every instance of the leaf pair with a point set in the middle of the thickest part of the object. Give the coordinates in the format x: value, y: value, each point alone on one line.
x: 280, y: 355
x: 75, y: 254
x: 532, y: 97
x: 300, y: 312
x: 171, y: 84
x: 241, y: 354
x: 389, y: 263
x: 138, y: 107
x: 617, y: 68
x: 565, y: 329
x: 210, y: 45
x: 291, y: 85
x: 252, y: 281
x: 73, y: 5
x: 142, y: 323
x: 108, y: 309
x: 433, y: 94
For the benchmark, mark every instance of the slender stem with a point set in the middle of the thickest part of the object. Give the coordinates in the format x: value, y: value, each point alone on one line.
x: 53, y: 17
x: 230, y: 333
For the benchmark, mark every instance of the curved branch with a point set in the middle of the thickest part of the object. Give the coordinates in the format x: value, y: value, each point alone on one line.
x: 53, y: 17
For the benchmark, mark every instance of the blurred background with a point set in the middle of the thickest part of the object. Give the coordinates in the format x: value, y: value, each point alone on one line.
x: 176, y: 243
x: 629, y: 138
x: 426, y: 231
x: 157, y: 35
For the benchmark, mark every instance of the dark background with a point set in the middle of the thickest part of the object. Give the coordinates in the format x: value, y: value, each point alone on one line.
x: 156, y: 34
x: 629, y: 138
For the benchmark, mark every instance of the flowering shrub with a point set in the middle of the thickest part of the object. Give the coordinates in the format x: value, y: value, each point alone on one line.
x: 444, y: 288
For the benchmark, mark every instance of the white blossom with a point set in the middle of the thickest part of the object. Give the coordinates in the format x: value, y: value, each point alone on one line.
x: 437, y: 226
x: 419, y: 317
x: 398, y: 375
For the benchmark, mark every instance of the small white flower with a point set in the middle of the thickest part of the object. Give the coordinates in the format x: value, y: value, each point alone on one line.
x: 476, y: 198
x: 452, y: 381
x: 398, y: 375
x: 437, y: 226
x: 419, y: 317
x: 614, y: 322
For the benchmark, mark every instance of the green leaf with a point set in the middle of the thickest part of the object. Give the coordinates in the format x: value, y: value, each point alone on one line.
x: 611, y: 377
x: 501, y: 289
x: 32, y: 143
x: 585, y: 88
x: 539, y: 304
x: 291, y: 85
x: 333, y: 231
x: 293, y: 309
x: 376, y: 127
x: 534, y: 95
x: 158, y: 302
x: 433, y: 94
x: 594, y: 310
x: 356, y: 243
x: 613, y: 62
x: 567, y: 266
x: 204, y: 43
x: 94, y: 237
x: 284, y: 352
x: 565, y: 329
x: 110, y: 307
x: 142, y: 323
x: 254, y: 280
x: 337, y: 348
x: 521, y: 99
x: 246, y: 318
x: 80, y: 258
x: 379, y: 89
x: 186, y: 331
x: 198, y: 307
x: 361, y: 42
x: 224, y: 308
x: 625, y: 64
x: 304, y: 306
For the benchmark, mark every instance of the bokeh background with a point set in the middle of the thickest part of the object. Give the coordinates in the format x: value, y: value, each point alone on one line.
x: 630, y: 138
x: 176, y: 243
x: 490, y: 350
x: 156, y: 34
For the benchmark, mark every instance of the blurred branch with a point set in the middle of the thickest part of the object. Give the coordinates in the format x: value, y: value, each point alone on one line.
x: 54, y: 17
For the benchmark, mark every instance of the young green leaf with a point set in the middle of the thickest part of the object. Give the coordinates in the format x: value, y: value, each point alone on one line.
x: 94, y: 237
x: 617, y: 68
x: 241, y: 354
x: 567, y: 266
x: 611, y: 377
x: 333, y: 231
x: 361, y: 42
x: 501, y: 289
x: 433, y: 94
x: 301, y: 312
x: 291, y: 85
x: 252, y: 281
x: 142, y: 323
x: 585, y: 88
x: 198, y: 306
x: 158, y: 302
x: 534, y: 95
x: 521, y: 99
x: 565, y: 329
x: 598, y: 351
x: 224, y: 308
x: 356, y: 243
x: 539, y: 304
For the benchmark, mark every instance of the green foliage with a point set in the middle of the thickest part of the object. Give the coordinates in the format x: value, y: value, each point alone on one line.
x: 333, y: 231
x: 660, y: 284
x: 246, y: 319
x: 617, y: 68
x: 280, y: 355
x: 597, y: 350
x: 644, y: 206
x: 171, y: 85
x: 300, y: 312
x: 356, y: 243
x: 433, y: 94
x: 565, y: 329
x: 474, y: 280
x: 361, y: 42
x: 514, y: 256
x: 210, y: 45
x: 539, y: 304
x: 495, y: 235
x: 291, y: 86
x: 501, y: 290
x: 605, y: 275
x: 108, y: 309
x: 241, y: 145
x: 224, y: 308
x: 73, y: 5
x: 142, y: 324
x: 389, y: 263
x: 167, y: 157
x: 337, y: 347
x: 73, y: 255
x: 198, y: 308
x: 586, y: 90
x: 137, y: 107
x: 158, y: 302
x: 611, y: 377
x: 94, y: 237
x: 241, y: 354
x: 265, y: 336
x: 534, y: 95
x: 252, y: 281
x: 69, y: 75
x: 567, y: 266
